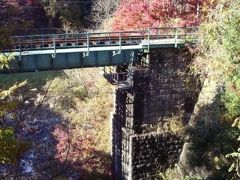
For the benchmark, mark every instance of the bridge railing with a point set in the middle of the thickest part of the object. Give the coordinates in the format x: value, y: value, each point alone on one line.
x: 77, y: 40
x: 114, y: 77
x: 95, y: 39
x: 173, y: 32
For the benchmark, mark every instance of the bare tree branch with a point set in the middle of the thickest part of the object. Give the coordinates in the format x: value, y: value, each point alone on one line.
x: 103, y: 10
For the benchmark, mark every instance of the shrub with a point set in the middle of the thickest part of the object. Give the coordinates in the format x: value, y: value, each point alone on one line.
x: 11, y: 148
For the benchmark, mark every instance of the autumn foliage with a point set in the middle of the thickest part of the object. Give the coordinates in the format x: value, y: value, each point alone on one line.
x: 140, y: 14
x: 81, y: 153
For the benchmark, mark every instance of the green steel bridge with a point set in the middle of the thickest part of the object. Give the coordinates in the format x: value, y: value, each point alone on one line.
x: 66, y: 51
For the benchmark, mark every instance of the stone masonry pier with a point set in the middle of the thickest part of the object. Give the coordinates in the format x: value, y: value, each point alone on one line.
x: 162, y: 91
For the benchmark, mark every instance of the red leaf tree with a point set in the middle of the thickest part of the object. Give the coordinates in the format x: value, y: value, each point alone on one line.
x: 141, y: 14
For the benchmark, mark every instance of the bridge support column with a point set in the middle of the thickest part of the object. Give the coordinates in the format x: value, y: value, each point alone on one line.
x: 142, y: 147
x: 122, y: 129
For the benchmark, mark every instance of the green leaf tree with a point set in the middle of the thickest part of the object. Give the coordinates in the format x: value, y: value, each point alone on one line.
x: 11, y: 148
x: 235, y: 155
x: 219, y: 61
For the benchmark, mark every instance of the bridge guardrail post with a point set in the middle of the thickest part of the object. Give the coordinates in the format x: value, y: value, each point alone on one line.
x: 148, y: 40
x: 54, y: 47
x: 65, y: 39
x: 88, y: 43
x: 109, y: 38
x: 42, y: 40
x: 158, y: 34
x: 20, y: 49
x: 176, y: 37
x: 31, y: 46
x: 120, y: 42
x: 77, y: 39
x: 99, y: 39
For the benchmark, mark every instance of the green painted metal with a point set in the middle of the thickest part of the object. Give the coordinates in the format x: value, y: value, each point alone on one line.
x: 44, y: 62
x: 67, y: 51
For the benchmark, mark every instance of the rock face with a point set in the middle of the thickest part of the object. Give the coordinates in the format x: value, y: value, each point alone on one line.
x: 160, y: 93
x: 204, y: 118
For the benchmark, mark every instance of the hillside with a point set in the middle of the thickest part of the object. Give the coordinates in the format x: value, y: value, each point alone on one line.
x: 54, y: 107
x: 56, y: 124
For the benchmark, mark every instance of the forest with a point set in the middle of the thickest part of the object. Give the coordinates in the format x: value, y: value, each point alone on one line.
x: 53, y: 124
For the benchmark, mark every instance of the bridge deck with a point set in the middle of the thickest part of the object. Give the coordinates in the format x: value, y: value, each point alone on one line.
x: 66, y: 51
